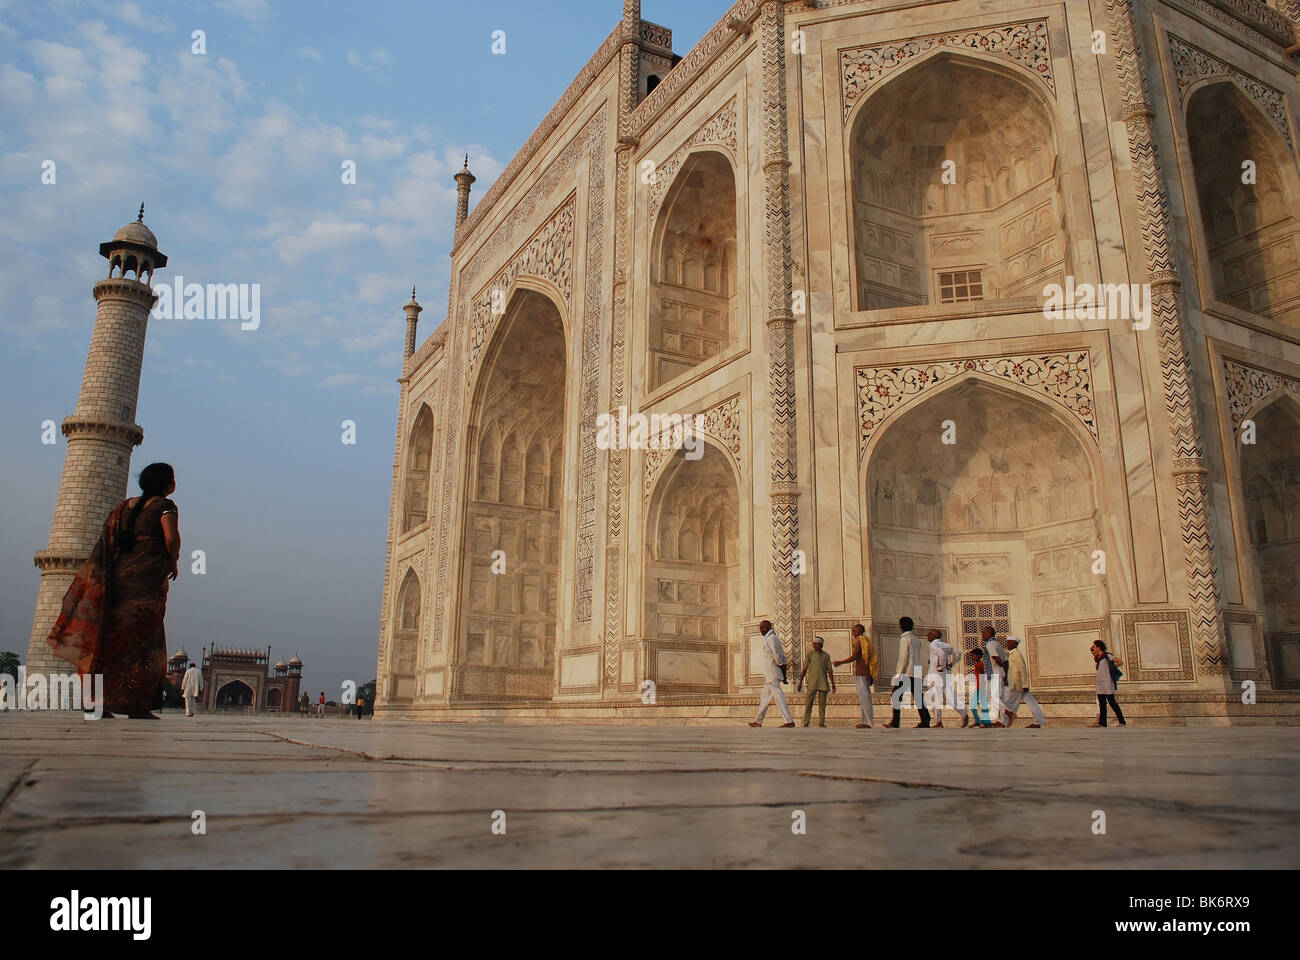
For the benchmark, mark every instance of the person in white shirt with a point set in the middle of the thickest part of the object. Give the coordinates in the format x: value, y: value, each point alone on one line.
x: 191, y: 687
x: 997, y: 677
x: 942, y: 656
x: 773, y: 675
x: 911, y: 661
x: 1018, y: 684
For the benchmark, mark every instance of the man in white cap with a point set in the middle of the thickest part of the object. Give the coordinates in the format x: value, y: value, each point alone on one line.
x: 1018, y: 683
x: 817, y: 670
x: 773, y: 675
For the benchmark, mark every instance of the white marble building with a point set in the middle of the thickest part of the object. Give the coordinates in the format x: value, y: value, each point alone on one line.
x: 829, y: 231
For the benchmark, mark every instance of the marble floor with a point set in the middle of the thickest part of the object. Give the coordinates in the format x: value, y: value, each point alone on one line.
x: 347, y: 793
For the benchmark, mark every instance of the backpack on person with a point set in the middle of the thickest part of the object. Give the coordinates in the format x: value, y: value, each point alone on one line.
x: 1115, y: 672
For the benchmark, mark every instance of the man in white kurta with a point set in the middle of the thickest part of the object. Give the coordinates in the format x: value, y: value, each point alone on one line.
x: 942, y: 655
x: 773, y: 662
x: 912, y: 658
x: 191, y: 687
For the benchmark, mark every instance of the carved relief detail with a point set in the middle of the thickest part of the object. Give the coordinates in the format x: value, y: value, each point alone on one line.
x: 1024, y: 43
x: 1247, y: 385
x: 1192, y: 64
x: 547, y: 256
x: 1065, y: 378
x: 723, y: 423
x: 718, y: 129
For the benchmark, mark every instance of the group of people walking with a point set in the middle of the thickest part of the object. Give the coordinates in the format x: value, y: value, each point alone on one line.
x: 998, y: 679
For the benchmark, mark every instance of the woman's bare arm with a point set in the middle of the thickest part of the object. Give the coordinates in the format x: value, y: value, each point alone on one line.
x: 172, y: 540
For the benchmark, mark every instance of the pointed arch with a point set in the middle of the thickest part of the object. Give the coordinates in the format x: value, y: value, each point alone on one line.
x: 1270, y: 473
x: 419, y: 462
x: 694, y: 284
x: 694, y: 569
x: 511, y: 549
x: 1021, y: 484
x: 960, y: 127
x: 1251, y: 230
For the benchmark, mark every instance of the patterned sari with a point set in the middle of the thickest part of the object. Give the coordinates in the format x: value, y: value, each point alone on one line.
x: 112, y: 618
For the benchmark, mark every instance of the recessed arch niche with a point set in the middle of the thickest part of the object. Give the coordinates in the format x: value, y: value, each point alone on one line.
x: 990, y: 226
x: 406, y: 636
x: 1270, y: 473
x: 1009, y: 512
x: 516, y: 489
x: 694, y: 598
x: 1252, y: 231
x: 693, y: 278
x: 419, y: 456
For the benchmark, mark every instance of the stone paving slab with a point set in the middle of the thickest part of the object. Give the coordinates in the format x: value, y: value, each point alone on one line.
x: 346, y: 793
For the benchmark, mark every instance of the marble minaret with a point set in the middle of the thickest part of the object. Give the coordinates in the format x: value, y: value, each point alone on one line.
x: 102, y: 430
x: 464, y: 179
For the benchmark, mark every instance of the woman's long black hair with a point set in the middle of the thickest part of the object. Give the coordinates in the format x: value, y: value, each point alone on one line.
x: 154, y: 481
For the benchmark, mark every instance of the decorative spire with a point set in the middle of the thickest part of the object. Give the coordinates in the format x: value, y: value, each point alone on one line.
x: 140, y: 216
x: 413, y: 311
x: 463, y: 180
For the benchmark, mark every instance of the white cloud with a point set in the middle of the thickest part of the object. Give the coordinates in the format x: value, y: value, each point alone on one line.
x: 310, y: 53
x: 320, y: 237
x: 253, y: 10
x: 340, y: 380
x: 376, y: 59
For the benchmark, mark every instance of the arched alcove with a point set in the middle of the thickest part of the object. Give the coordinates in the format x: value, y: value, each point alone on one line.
x: 694, y: 568
x: 236, y: 693
x: 406, y: 636
x: 1252, y: 230
x: 989, y: 226
x: 1000, y: 523
x: 693, y: 280
x: 419, y: 457
x: 516, y: 483
x: 1270, y: 473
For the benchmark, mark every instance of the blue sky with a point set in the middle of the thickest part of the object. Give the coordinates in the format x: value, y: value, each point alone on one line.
x: 237, y: 155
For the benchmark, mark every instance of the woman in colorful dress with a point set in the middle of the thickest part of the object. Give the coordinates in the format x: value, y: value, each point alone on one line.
x: 112, y: 619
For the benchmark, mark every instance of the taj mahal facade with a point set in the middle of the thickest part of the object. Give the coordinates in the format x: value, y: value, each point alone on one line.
x: 825, y: 237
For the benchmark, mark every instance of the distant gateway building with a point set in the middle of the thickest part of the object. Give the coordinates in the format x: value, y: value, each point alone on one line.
x: 238, y: 680
x: 829, y: 231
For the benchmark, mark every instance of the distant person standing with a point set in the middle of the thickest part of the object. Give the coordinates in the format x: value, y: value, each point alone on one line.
x: 773, y: 677
x: 817, y: 670
x: 865, y: 667
x: 361, y: 706
x: 304, y: 704
x: 320, y: 706
x: 1018, y: 684
x: 1107, y: 673
x: 191, y: 687
x: 907, y: 676
x: 941, y: 657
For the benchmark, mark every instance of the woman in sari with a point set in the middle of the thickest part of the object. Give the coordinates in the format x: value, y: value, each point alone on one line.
x: 112, y: 619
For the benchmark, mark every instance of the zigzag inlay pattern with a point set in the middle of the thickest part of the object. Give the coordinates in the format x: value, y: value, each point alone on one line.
x: 1175, y: 365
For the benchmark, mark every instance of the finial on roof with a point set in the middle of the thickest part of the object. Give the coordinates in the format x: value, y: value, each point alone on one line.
x: 413, y: 293
x: 466, y: 161
x: 140, y: 216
